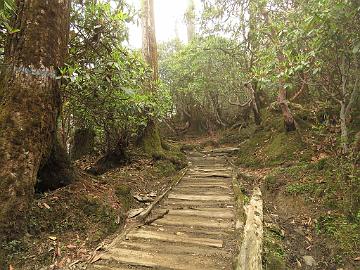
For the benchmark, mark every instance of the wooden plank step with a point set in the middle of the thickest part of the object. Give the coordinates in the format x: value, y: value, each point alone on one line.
x: 210, y: 169
x: 109, y: 267
x: 210, y: 174
x: 202, y: 191
x: 214, y: 233
x: 180, y: 196
x: 158, y: 261
x: 203, y: 212
x: 181, y: 238
x: 172, y: 248
x: 206, y: 181
x: 206, y: 204
x: 195, y: 221
x: 202, y: 185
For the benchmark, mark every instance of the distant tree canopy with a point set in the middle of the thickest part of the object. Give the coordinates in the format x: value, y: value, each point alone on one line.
x: 299, y: 55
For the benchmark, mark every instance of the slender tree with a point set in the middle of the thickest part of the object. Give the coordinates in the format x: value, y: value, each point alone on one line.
x: 151, y: 137
x: 190, y: 20
x: 30, y: 104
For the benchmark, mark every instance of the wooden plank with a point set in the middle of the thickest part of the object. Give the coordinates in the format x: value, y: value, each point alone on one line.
x: 203, y: 185
x: 182, y: 238
x: 172, y: 248
x: 203, y: 212
x: 209, y: 169
x: 209, y: 174
x: 213, y: 233
x: 199, y: 197
x: 159, y: 261
x: 203, y: 191
x: 250, y: 257
x: 109, y: 267
x: 194, y: 221
x: 205, y: 204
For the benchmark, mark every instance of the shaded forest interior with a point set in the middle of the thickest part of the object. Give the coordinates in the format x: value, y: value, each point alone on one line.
x: 89, y: 124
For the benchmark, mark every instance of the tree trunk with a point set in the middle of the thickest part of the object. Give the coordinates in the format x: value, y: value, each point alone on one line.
x: 190, y: 20
x: 149, y: 45
x: 254, y: 104
x: 344, y: 131
x: 30, y: 104
x: 150, y: 138
x: 289, y: 120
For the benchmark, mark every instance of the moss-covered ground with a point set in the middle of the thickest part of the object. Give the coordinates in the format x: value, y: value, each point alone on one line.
x: 311, y: 193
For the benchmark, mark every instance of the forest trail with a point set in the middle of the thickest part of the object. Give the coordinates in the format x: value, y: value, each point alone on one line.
x: 198, y: 231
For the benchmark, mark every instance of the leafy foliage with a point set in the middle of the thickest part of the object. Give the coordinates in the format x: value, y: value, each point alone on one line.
x: 201, y: 77
x: 104, y: 79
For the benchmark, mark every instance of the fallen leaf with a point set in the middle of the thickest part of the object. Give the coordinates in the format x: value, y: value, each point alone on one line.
x: 70, y: 246
x: 52, y: 238
x: 357, y: 259
x: 11, y: 267
x: 46, y: 206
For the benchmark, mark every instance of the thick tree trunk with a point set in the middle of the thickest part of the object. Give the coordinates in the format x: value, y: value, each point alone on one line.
x: 289, y: 120
x: 30, y: 104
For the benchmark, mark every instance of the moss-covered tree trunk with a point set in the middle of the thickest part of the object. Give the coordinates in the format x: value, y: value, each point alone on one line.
x: 150, y: 138
x: 30, y: 103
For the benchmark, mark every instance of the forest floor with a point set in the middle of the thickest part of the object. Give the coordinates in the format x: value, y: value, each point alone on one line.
x: 66, y: 225
x: 311, y: 195
x: 310, y: 192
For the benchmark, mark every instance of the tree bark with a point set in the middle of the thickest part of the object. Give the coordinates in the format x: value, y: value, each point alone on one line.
x: 30, y: 103
x: 254, y: 104
x: 150, y: 138
x: 289, y: 120
x: 149, y: 45
x: 190, y: 20
x: 343, y: 127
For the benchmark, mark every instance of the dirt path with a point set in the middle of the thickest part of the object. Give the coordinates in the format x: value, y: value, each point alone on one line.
x: 196, y: 233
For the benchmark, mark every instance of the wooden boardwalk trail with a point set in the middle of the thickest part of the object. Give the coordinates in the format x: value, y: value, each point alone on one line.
x: 198, y: 232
